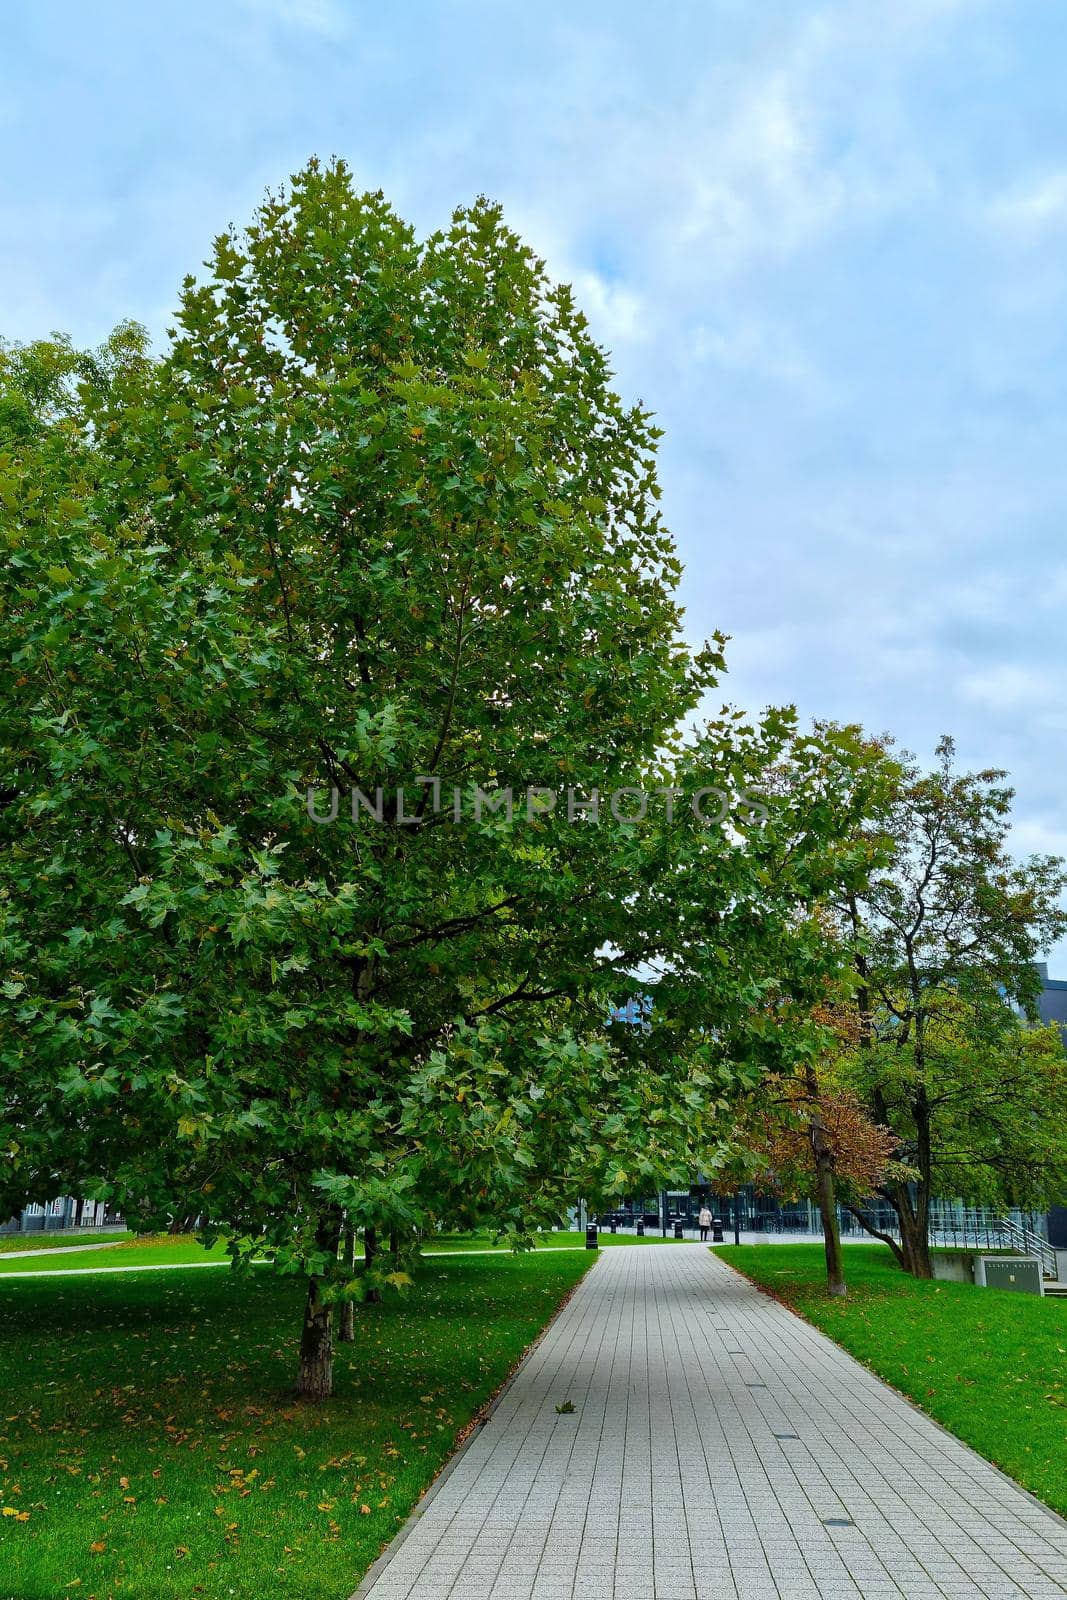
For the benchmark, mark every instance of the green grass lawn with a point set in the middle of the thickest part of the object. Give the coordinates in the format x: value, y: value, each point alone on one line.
x: 148, y: 1430
x: 989, y: 1365
x: 563, y: 1240
x: 56, y: 1241
x: 183, y: 1249
x: 156, y: 1250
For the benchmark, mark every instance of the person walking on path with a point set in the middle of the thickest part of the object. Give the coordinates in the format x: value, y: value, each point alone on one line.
x: 704, y: 1221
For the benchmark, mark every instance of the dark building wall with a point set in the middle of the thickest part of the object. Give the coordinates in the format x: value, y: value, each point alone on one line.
x: 1057, y: 1227
x: 1052, y: 1007
x: 1052, y: 1002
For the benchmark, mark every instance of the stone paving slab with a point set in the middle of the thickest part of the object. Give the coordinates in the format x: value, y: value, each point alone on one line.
x: 721, y: 1449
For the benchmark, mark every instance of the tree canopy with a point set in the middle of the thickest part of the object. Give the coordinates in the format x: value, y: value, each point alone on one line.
x: 375, y: 522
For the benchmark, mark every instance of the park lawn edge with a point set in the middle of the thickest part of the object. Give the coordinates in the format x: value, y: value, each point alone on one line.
x: 570, y: 1269
x: 15, y: 1244
x: 915, y: 1404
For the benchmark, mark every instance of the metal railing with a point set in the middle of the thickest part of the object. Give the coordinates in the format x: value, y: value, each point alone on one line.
x: 1032, y: 1244
x: 978, y: 1228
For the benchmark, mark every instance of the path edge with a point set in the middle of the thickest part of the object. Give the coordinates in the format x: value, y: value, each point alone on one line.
x: 1013, y: 1483
x: 474, y: 1428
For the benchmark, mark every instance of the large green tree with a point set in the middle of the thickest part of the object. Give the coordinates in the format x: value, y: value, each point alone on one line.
x: 376, y: 521
x: 49, y: 470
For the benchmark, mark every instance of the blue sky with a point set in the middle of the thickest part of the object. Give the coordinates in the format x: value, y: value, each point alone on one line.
x: 826, y: 242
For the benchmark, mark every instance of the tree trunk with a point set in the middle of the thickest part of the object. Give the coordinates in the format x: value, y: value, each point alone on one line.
x: 347, y: 1331
x: 831, y: 1232
x: 370, y: 1250
x: 823, y: 1153
x: 917, y: 1217
x: 923, y: 1268
x: 314, y: 1380
x: 914, y: 1243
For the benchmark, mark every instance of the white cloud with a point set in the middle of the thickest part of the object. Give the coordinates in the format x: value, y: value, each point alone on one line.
x: 1007, y: 687
x: 617, y: 314
x: 1038, y: 835
x: 325, y: 17
x: 1032, y: 206
x: 758, y: 349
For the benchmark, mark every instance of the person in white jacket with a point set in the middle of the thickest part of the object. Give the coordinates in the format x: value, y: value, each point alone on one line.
x: 704, y: 1223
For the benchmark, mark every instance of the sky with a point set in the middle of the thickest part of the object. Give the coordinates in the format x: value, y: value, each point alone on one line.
x: 825, y: 242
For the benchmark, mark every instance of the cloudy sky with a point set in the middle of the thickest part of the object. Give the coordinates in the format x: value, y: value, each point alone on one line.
x: 826, y: 242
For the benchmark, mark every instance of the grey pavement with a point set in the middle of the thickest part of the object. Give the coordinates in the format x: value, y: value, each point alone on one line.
x: 58, y: 1250
x: 720, y: 1449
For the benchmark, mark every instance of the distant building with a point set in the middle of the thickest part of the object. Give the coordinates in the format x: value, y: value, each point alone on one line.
x: 66, y: 1212
x: 1052, y: 1003
x: 1052, y: 1007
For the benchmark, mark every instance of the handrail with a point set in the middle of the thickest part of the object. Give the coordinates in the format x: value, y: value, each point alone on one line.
x: 1034, y: 1244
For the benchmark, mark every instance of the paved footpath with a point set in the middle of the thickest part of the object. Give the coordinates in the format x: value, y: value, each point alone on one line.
x: 58, y: 1250
x: 720, y: 1447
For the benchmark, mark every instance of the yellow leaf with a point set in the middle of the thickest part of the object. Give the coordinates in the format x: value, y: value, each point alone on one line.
x: 98, y: 1547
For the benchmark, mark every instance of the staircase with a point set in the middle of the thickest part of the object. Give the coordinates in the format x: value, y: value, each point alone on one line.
x: 1059, y: 1288
x: 979, y: 1229
x: 1029, y: 1243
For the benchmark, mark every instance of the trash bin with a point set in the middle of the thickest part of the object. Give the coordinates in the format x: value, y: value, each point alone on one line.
x: 590, y: 1237
x: 716, y: 1230
x: 678, y: 1234
x: 614, y: 1226
x: 640, y: 1227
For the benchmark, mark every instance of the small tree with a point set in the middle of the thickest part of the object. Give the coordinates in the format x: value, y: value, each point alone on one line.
x: 984, y: 1109
x: 812, y: 1138
x: 946, y: 937
x: 820, y: 787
